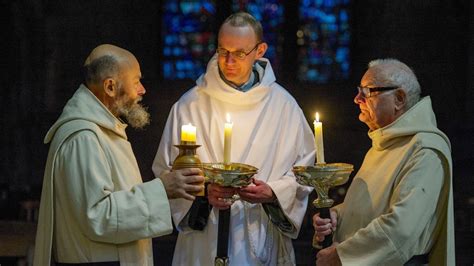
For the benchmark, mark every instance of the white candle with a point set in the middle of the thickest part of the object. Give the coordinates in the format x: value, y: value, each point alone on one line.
x: 188, y: 133
x: 318, y: 138
x: 227, y: 139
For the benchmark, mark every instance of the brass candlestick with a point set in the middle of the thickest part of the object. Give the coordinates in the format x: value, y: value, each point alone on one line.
x: 228, y: 175
x: 323, y: 177
x: 187, y: 158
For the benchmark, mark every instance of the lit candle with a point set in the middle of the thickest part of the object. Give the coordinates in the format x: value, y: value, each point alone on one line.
x: 188, y: 133
x: 227, y: 139
x: 318, y: 138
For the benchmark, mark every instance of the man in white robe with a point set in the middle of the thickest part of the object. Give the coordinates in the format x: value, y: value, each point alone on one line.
x: 94, y: 206
x: 399, y: 208
x: 270, y: 132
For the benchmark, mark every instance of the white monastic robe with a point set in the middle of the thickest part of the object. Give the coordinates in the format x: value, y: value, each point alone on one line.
x: 271, y: 133
x: 400, y: 202
x: 94, y: 206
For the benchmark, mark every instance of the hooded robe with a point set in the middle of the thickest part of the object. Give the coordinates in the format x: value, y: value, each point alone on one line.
x: 94, y: 206
x: 400, y: 202
x: 271, y: 133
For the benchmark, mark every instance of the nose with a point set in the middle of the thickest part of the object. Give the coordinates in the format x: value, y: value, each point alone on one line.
x: 358, y: 98
x: 141, y: 89
x: 229, y: 59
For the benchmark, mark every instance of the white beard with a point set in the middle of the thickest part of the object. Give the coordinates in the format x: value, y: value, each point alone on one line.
x: 135, y: 113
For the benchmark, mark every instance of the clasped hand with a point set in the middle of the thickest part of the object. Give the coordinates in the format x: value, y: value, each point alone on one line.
x: 257, y: 192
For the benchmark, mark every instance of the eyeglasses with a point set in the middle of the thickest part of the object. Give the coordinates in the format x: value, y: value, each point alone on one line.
x: 368, y: 92
x: 236, y: 54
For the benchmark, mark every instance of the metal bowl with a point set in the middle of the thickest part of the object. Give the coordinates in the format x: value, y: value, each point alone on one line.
x: 329, y: 175
x: 229, y: 175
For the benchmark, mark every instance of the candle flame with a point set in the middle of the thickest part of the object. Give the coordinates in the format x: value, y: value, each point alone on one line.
x: 317, y: 117
x: 227, y: 117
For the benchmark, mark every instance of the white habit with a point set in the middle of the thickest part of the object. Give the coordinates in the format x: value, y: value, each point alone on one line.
x: 94, y: 206
x: 271, y: 133
x: 400, y: 202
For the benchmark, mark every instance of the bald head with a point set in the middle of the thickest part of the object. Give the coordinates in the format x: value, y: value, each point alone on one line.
x: 106, y: 61
x: 113, y: 75
x: 110, y: 50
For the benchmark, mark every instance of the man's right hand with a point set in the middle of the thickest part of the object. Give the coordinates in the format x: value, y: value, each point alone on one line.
x: 324, y: 227
x: 183, y: 183
x: 217, y: 195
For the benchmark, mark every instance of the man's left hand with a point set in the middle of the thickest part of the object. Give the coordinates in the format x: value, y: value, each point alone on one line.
x: 260, y: 192
x: 328, y: 257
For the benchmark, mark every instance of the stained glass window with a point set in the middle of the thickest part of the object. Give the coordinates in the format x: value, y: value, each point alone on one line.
x: 323, y: 36
x: 323, y: 40
x: 188, y: 37
x: 270, y: 14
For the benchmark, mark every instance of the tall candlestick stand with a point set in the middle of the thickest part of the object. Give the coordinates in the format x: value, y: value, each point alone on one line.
x: 228, y: 175
x: 323, y: 177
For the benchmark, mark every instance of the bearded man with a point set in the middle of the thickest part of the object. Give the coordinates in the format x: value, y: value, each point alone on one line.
x: 95, y: 209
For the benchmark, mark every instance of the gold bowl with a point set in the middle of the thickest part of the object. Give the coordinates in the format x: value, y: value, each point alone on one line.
x: 332, y: 174
x: 229, y: 175
x: 322, y: 177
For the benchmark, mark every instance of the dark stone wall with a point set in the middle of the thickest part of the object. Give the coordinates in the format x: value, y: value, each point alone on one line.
x: 44, y: 44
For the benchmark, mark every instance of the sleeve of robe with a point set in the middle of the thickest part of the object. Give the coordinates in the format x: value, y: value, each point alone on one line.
x: 389, y: 239
x: 293, y: 197
x: 163, y: 161
x: 106, y: 215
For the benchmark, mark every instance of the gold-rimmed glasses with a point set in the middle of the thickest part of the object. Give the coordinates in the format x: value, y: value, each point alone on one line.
x: 239, y: 54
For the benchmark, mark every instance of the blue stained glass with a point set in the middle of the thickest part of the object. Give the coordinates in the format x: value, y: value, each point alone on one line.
x: 324, y: 40
x: 188, y: 38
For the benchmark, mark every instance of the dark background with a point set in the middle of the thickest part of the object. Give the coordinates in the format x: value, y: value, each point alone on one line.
x: 46, y: 42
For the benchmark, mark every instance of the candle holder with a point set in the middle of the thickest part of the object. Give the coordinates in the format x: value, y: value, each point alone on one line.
x: 187, y: 158
x: 229, y: 175
x: 322, y: 177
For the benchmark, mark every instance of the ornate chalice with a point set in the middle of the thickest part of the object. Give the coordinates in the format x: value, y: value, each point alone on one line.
x: 230, y: 175
x: 322, y: 177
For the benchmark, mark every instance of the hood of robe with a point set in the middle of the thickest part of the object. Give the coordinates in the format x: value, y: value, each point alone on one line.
x: 418, y: 119
x: 85, y: 106
x: 211, y: 84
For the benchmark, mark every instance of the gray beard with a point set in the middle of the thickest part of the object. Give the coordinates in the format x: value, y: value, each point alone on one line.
x: 135, y: 113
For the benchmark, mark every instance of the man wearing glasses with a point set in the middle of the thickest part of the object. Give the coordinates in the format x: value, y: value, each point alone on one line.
x: 398, y: 209
x: 270, y: 132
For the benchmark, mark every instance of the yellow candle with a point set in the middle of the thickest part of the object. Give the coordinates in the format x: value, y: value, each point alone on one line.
x: 318, y: 138
x: 188, y: 133
x: 227, y: 139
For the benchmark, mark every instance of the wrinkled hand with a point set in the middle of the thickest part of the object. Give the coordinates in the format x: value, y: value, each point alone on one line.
x: 328, y: 257
x: 324, y: 227
x: 217, y: 194
x: 259, y: 192
x: 182, y: 183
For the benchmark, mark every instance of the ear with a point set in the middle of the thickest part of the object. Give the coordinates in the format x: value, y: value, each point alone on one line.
x: 262, y: 48
x: 110, y: 87
x: 400, y: 99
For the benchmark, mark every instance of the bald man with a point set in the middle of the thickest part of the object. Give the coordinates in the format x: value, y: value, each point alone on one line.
x: 94, y: 206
